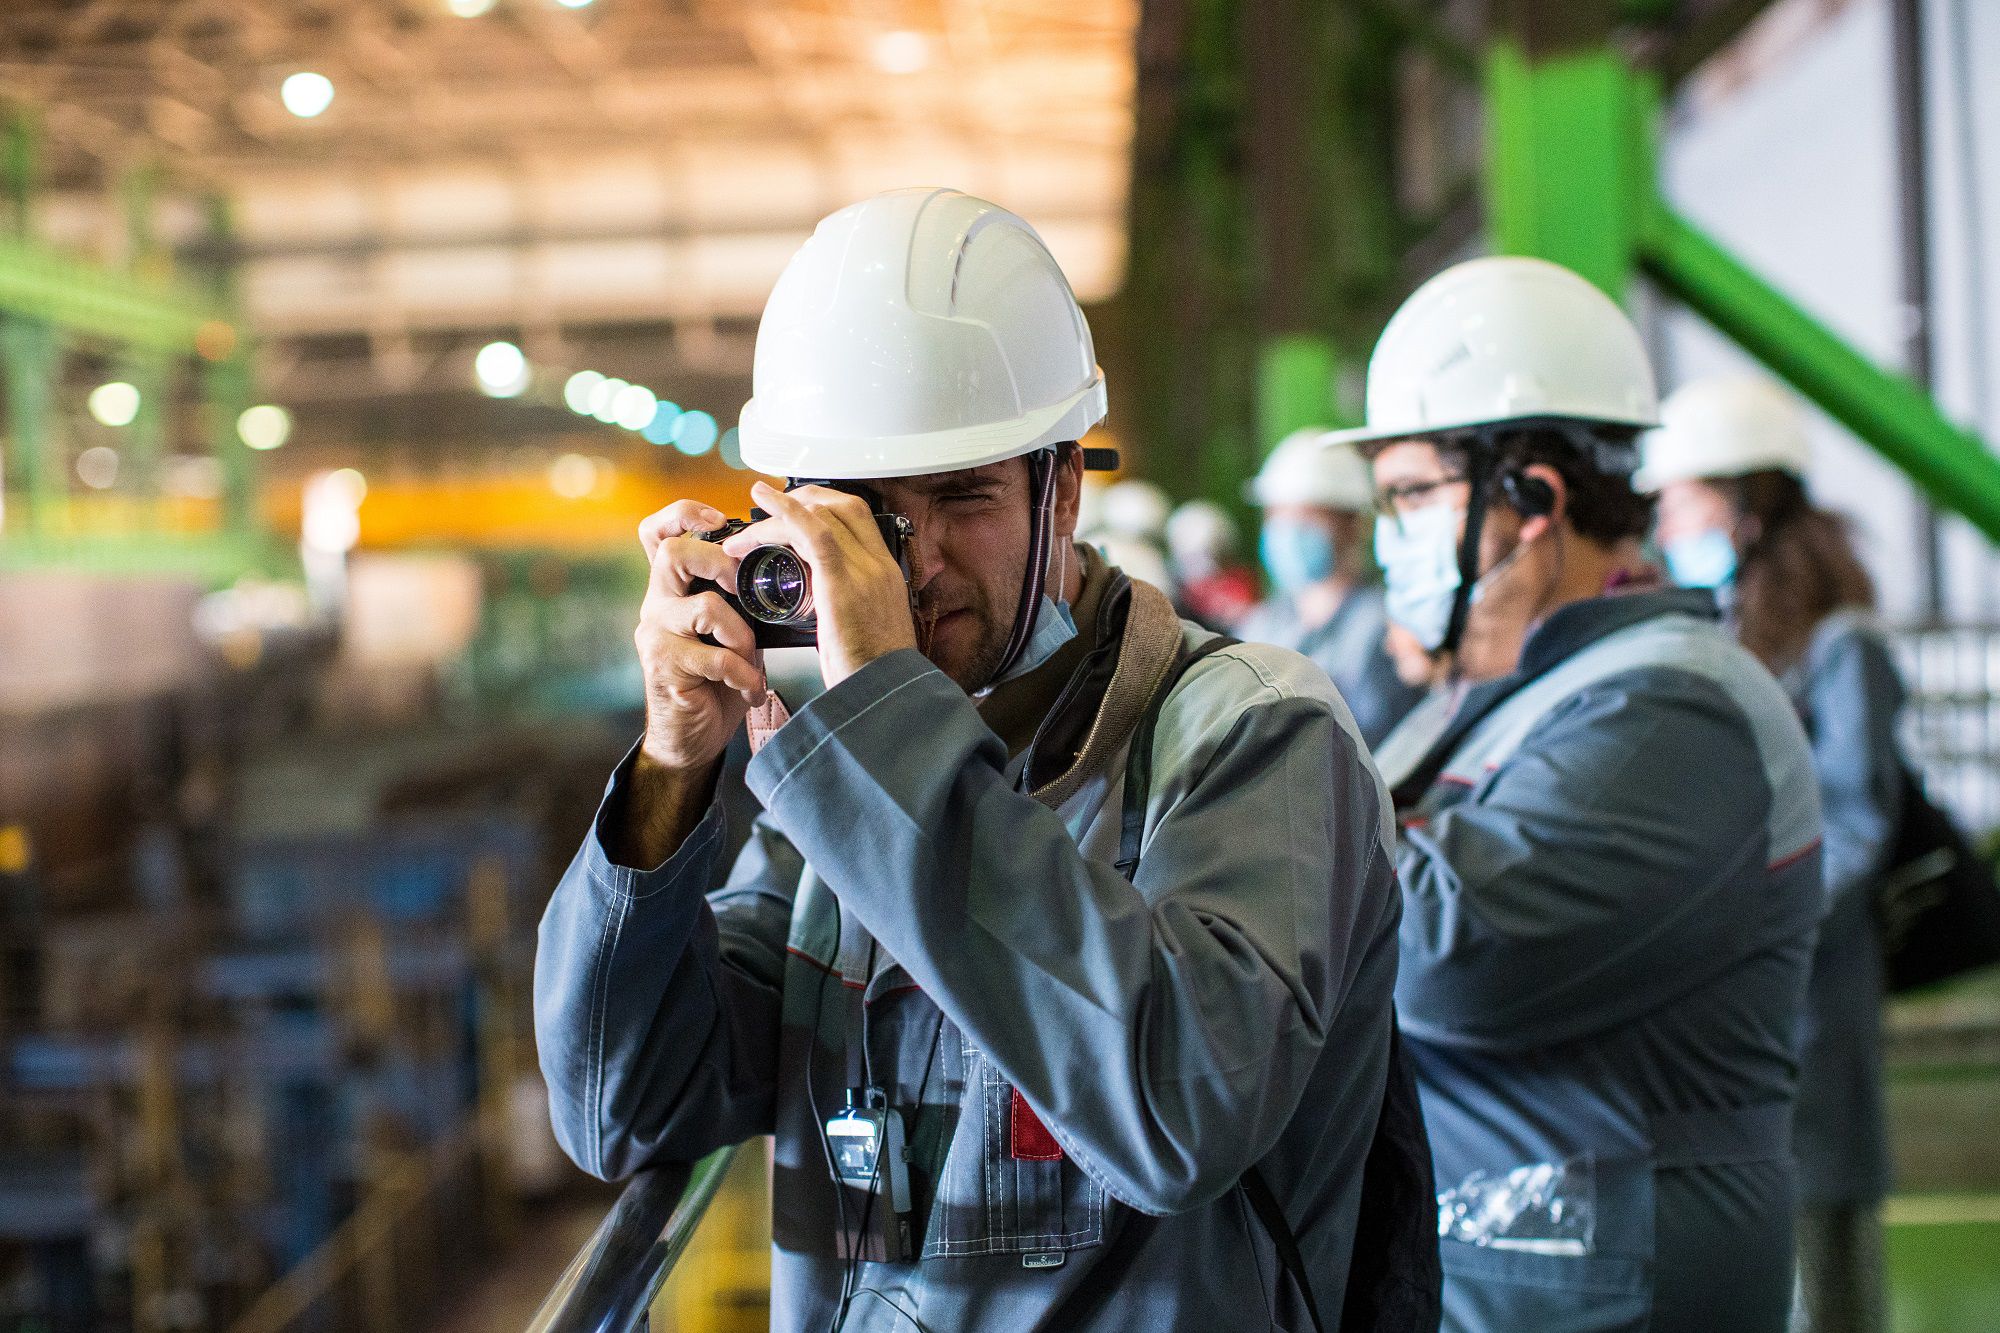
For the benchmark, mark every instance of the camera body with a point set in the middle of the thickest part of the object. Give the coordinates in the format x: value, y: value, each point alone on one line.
x: 774, y: 587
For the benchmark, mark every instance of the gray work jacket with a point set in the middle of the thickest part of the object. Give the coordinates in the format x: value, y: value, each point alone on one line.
x: 1611, y: 890
x: 1848, y: 693
x: 1348, y: 647
x: 1230, y: 1006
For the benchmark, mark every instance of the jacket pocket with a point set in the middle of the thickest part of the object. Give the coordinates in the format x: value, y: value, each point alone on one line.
x: 991, y: 1199
x: 1558, y: 1247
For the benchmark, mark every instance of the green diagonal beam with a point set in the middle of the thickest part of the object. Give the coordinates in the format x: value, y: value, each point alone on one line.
x: 53, y: 289
x: 1949, y: 463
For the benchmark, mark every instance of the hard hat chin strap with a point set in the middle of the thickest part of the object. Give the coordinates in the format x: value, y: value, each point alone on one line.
x: 1481, y: 477
x: 1041, y: 529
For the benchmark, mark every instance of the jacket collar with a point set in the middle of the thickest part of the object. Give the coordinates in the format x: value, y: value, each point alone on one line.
x: 1571, y: 629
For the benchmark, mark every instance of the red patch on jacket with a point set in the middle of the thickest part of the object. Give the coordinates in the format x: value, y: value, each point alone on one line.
x: 1031, y: 1140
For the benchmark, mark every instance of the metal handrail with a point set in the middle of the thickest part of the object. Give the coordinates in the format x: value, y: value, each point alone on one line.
x: 611, y: 1283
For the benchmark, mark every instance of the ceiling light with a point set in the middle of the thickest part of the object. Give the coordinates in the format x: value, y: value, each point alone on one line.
x: 634, y: 406
x: 502, y: 370
x: 660, y: 430
x: 694, y: 433
x: 900, y: 51
x: 306, y: 94
x: 114, y: 404
x: 98, y: 467
x: 579, y: 392
x: 603, y: 396
x: 264, y: 426
x: 469, y: 9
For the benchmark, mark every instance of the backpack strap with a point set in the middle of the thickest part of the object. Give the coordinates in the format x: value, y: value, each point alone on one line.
x: 1273, y: 1217
x: 1139, y: 756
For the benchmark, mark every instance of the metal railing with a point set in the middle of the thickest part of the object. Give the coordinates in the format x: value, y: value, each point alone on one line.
x: 610, y: 1285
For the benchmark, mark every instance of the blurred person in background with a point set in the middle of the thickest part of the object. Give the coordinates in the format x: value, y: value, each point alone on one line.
x: 1214, y: 586
x: 1610, y: 848
x: 1317, y: 501
x: 1130, y: 531
x: 1728, y: 464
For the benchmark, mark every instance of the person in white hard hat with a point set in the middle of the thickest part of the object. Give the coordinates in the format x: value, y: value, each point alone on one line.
x: 1610, y: 847
x: 1058, y: 965
x: 1317, y: 497
x: 1211, y: 583
x: 1728, y: 463
x: 1128, y: 528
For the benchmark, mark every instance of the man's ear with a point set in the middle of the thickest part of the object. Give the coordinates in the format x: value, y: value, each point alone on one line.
x: 1542, y: 500
x: 1068, y: 481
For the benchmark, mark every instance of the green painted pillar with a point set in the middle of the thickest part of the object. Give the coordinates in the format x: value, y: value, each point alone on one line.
x: 35, y: 470
x: 1295, y: 386
x: 1569, y: 164
x: 226, y: 391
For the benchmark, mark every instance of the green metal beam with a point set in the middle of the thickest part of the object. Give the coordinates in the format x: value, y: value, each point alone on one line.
x: 1566, y: 167
x: 54, y: 289
x: 226, y: 392
x: 1950, y: 464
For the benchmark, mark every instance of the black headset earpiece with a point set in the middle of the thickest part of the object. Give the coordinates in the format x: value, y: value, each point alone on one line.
x: 1530, y: 497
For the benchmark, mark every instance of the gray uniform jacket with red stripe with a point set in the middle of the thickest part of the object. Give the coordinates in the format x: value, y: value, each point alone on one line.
x: 1087, y: 1064
x: 1610, y: 894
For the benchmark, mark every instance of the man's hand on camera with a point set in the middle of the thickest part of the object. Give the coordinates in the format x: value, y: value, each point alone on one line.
x: 696, y: 693
x: 859, y: 593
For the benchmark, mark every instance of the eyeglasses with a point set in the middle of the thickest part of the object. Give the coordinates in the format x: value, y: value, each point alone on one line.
x: 1407, y: 497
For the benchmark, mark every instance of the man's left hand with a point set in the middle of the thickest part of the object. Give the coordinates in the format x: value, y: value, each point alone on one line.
x: 859, y: 592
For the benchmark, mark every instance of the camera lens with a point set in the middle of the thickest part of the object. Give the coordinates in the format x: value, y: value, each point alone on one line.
x: 775, y: 587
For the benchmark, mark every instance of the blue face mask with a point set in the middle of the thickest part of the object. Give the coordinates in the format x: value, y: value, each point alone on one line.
x: 1419, y: 558
x: 1297, y: 555
x: 1054, y: 627
x: 1707, y: 559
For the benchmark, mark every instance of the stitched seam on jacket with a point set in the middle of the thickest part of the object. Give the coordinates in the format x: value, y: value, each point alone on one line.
x: 594, y: 1045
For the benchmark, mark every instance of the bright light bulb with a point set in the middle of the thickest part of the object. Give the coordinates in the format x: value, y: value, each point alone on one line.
x: 306, y: 94
x: 730, y: 447
x: 603, y: 396
x: 574, y: 4
x: 634, y: 406
x: 264, y: 426
x: 660, y: 430
x: 900, y: 51
x: 502, y: 370
x: 114, y: 404
x: 572, y: 476
x: 580, y: 392
x: 98, y: 467
x: 694, y: 433
x: 469, y: 9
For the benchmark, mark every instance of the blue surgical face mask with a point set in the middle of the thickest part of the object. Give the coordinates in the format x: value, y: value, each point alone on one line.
x: 1418, y: 554
x: 1054, y: 627
x: 1296, y: 555
x: 1706, y: 559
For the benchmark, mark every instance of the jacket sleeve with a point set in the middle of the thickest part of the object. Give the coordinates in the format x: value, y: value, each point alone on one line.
x: 1164, y: 1029
x: 656, y: 1006
x: 1596, y: 873
x: 1852, y: 698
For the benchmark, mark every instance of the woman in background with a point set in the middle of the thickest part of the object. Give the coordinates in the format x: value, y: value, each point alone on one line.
x: 1728, y: 463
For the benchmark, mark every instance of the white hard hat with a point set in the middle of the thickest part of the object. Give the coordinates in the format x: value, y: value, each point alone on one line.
x: 1314, y: 467
x: 1200, y: 529
x: 918, y: 331
x: 1505, y: 339
x: 1724, y: 426
x: 1135, y: 508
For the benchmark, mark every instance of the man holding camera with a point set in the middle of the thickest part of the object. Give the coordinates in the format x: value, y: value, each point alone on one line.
x: 1059, y: 964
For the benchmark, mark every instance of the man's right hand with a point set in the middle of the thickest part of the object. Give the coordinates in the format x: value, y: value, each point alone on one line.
x: 697, y: 693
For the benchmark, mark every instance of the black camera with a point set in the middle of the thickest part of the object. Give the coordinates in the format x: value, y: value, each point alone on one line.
x: 774, y: 587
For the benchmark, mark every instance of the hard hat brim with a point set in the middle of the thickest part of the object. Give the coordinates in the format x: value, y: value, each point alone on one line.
x: 779, y: 453
x: 1366, y: 436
